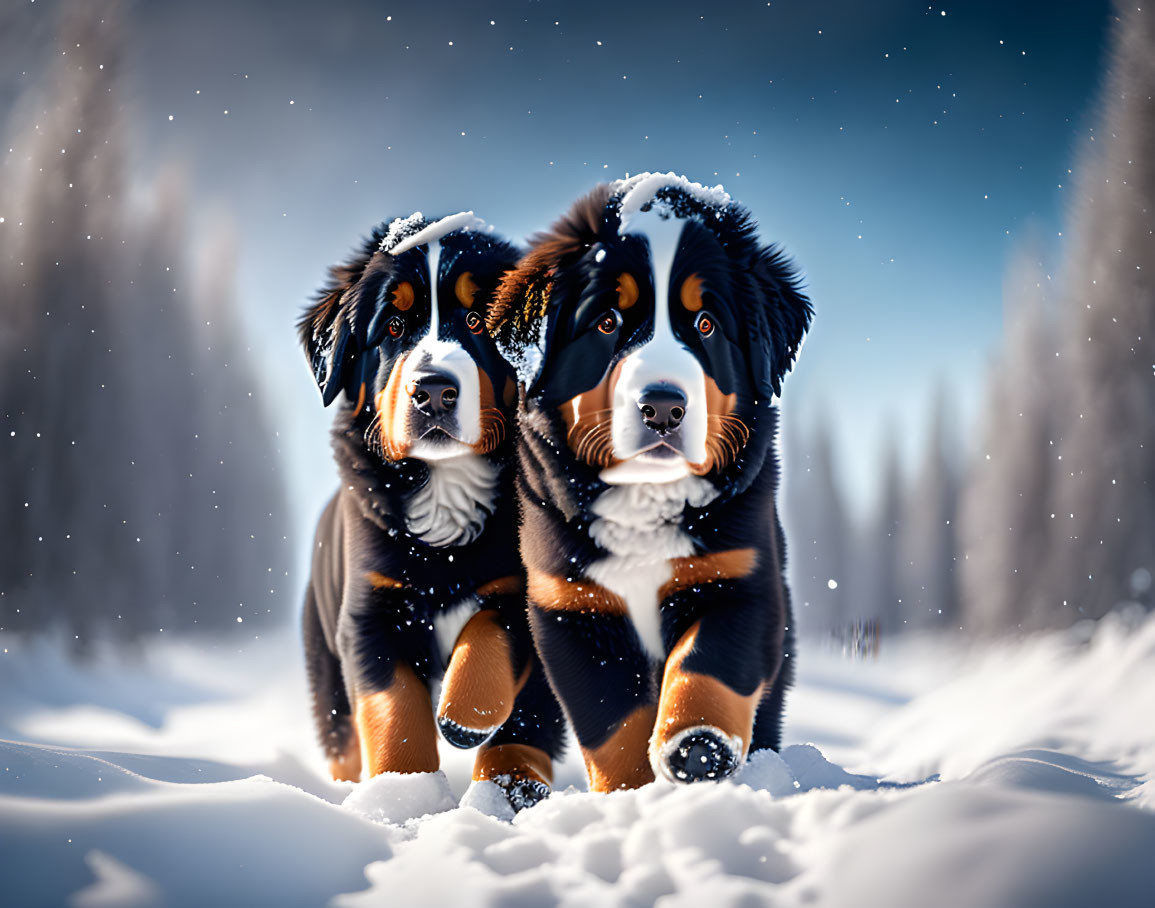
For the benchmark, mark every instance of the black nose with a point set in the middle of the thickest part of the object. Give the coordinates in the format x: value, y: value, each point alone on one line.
x: 663, y: 408
x: 435, y: 394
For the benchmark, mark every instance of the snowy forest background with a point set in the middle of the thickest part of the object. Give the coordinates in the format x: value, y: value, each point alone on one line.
x: 1044, y: 512
x: 143, y: 483
x: 142, y: 490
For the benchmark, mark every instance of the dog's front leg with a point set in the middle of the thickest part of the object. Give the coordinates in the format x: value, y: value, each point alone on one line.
x: 392, y: 710
x: 713, y: 682
x: 481, y: 681
x: 600, y: 673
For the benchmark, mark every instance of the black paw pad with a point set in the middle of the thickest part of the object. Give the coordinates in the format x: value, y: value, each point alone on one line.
x: 460, y: 736
x: 701, y: 755
x: 523, y: 793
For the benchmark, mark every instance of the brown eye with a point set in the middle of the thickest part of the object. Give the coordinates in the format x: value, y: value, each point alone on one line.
x: 474, y: 323
x: 395, y: 326
x: 609, y: 322
x: 704, y: 324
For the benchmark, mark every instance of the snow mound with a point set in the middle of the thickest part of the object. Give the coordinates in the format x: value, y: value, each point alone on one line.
x: 1081, y: 692
x: 395, y: 797
x: 767, y: 771
x: 488, y: 798
x: 939, y: 774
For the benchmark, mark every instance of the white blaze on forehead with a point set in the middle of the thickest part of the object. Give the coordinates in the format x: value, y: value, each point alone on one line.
x: 661, y: 360
x: 463, y: 220
x: 434, y: 355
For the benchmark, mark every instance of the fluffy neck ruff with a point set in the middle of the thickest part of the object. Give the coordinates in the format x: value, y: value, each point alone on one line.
x: 641, y: 528
x: 452, y: 507
x: 644, y: 520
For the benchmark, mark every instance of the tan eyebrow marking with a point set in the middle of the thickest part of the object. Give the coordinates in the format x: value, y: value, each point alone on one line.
x: 692, y: 293
x: 403, y: 295
x: 465, y: 288
x: 627, y: 290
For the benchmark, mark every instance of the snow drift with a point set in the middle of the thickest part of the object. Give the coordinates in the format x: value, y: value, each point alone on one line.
x: 1019, y: 775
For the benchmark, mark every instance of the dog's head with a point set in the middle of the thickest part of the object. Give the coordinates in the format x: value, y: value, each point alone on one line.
x: 401, y: 330
x: 654, y: 322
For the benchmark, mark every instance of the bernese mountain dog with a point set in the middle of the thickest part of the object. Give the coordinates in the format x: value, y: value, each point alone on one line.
x: 415, y: 573
x: 651, y: 331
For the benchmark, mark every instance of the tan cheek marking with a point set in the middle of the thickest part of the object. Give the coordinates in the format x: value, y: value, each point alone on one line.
x: 589, y: 421
x: 360, y: 399
x: 379, y: 581
x: 687, y: 572
x: 396, y: 727
x: 692, y: 293
x: 627, y: 290
x: 621, y: 761
x: 465, y: 289
x: 491, y: 419
x: 717, y: 403
x: 391, y: 411
x: 347, y: 766
x: 403, y: 296
x: 690, y: 699
x: 521, y: 761
x: 479, y: 686
x: 509, y: 395
x: 556, y: 594
x: 501, y: 586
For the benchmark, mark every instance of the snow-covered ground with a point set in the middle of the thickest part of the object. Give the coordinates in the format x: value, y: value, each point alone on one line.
x: 1020, y: 775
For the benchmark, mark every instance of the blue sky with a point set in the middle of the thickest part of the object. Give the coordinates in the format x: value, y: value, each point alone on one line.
x: 900, y: 154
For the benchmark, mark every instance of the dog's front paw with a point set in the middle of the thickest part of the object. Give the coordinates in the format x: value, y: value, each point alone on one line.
x: 698, y: 754
x: 460, y: 736
x: 523, y: 793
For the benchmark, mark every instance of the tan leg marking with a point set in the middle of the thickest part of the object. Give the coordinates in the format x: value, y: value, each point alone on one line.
x: 518, y: 760
x: 731, y: 564
x: 379, y: 581
x: 690, y: 699
x: 479, y: 686
x: 622, y: 761
x: 396, y: 727
x: 347, y: 766
x: 558, y: 594
x: 501, y: 586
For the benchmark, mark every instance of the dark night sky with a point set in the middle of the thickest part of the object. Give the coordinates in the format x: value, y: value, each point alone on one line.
x: 900, y: 154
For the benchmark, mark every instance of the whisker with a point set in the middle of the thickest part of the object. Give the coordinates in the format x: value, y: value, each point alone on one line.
x: 593, y: 439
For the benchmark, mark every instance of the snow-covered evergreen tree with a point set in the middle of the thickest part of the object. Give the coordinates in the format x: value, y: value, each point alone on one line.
x: 818, y: 532
x: 1104, y: 496
x: 1005, y: 516
x: 930, y: 527
x: 131, y: 500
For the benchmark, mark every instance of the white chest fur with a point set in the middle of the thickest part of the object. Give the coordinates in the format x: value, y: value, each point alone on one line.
x: 640, y: 525
x: 452, y: 507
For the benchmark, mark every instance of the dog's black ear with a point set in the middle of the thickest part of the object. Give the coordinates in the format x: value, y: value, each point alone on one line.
x: 521, y: 301
x: 327, y: 328
x: 780, y: 323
